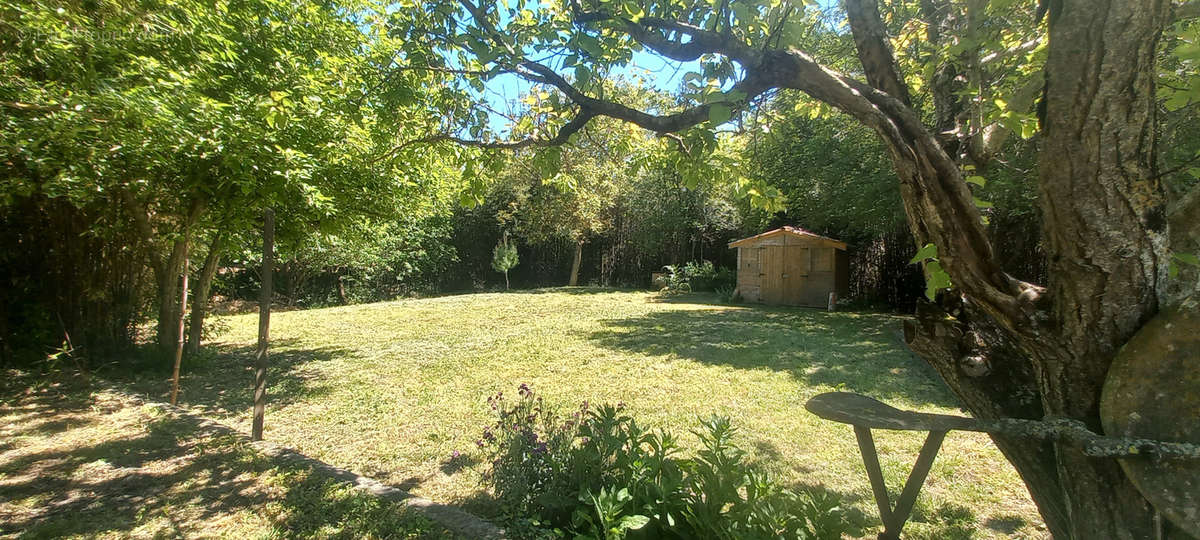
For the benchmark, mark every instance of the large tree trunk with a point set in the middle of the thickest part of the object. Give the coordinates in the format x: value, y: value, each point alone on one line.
x: 200, y: 296
x: 1105, y: 232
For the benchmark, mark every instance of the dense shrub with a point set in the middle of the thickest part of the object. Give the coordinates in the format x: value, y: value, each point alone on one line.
x: 598, y: 474
x: 699, y: 276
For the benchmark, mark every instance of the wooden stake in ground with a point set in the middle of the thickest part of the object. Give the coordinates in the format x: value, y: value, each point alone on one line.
x: 182, y: 323
x: 264, y: 325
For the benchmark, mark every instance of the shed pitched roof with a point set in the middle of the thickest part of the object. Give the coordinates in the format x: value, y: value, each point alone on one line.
x: 788, y: 229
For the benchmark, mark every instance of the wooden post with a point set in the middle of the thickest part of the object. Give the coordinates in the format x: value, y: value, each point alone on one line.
x: 832, y: 301
x: 183, y: 297
x: 264, y: 325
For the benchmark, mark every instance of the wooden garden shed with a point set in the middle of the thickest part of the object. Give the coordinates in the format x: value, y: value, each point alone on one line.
x: 791, y: 266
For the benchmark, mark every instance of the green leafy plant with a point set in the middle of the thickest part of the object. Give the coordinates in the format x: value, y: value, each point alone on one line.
x: 599, y: 475
x: 698, y: 276
x: 728, y: 294
x: 504, y: 258
x: 936, y: 278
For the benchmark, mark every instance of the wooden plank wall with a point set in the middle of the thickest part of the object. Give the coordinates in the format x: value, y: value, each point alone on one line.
x: 789, y: 270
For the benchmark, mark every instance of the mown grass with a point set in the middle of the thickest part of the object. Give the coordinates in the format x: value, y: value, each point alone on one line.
x: 82, y: 464
x: 392, y: 389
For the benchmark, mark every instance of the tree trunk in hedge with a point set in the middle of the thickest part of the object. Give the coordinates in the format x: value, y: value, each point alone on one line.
x: 341, y: 289
x: 575, y: 264
x: 166, y: 274
x: 200, y: 298
x: 166, y: 266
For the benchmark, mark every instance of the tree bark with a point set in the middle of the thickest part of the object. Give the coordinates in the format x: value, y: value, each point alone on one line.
x: 341, y: 289
x: 182, y: 321
x: 574, y: 264
x: 200, y: 297
x: 166, y: 267
x: 1105, y: 230
x: 264, y: 326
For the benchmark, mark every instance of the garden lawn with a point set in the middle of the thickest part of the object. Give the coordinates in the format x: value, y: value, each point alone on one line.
x: 82, y: 463
x: 392, y: 390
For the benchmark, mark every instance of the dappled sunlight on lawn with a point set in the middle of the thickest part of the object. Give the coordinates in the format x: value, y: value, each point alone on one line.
x: 95, y: 464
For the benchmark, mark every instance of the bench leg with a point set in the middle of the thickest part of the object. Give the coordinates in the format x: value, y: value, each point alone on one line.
x: 894, y: 519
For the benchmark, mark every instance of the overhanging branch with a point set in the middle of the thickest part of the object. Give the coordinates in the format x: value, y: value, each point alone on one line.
x: 1189, y: 10
x: 560, y: 138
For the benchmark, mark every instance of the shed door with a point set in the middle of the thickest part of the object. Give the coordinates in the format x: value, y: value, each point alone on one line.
x: 784, y: 274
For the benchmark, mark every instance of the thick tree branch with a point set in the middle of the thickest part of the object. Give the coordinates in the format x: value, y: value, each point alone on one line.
x: 591, y: 107
x: 29, y: 107
x: 874, y: 49
x: 1188, y: 10
x: 648, y: 30
x: 560, y: 138
x: 141, y: 221
x: 753, y: 85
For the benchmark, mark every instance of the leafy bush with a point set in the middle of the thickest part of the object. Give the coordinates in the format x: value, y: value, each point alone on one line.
x: 729, y: 294
x: 698, y: 276
x: 599, y: 475
x: 504, y: 258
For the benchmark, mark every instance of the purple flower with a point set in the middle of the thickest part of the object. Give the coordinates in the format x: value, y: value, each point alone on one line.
x: 454, y: 454
x: 479, y: 443
x: 524, y: 390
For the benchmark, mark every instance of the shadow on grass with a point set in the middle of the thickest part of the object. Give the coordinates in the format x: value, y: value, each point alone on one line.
x: 221, y: 378
x: 577, y: 291
x: 947, y: 520
x: 167, y: 475
x: 852, y: 352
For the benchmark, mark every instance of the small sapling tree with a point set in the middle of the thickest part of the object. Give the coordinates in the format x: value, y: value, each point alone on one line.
x: 504, y: 258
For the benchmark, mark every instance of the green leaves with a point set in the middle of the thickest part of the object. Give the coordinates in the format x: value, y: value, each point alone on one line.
x: 583, y: 75
x: 719, y: 113
x: 936, y: 278
x: 1179, y: 259
x: 929, y: 251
